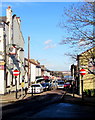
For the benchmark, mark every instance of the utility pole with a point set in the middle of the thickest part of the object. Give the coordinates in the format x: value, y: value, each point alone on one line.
x: 28, y: 61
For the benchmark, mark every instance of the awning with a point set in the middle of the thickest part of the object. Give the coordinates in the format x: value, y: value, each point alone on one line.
x: 45, y: 77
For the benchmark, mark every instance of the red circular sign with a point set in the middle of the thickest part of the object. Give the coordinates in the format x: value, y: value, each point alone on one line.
x: 82, y: 71
x: 16, y: 72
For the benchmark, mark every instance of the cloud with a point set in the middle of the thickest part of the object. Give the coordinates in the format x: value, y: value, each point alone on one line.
x: 48, y: 41
x: 49, y: 44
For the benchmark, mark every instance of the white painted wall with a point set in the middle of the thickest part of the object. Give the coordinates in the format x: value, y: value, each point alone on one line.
x: 33, y: 72
x: 38, y: 71
x: 13, y: 36
x: 1, y: 42
x: 2, y: 89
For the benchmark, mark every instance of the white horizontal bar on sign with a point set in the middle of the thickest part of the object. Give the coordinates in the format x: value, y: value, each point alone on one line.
x: 15, y: 72
x: 83, y: 72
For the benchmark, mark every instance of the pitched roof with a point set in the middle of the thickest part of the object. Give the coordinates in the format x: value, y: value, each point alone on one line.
x: 93, y: 48
x: 3, y: 19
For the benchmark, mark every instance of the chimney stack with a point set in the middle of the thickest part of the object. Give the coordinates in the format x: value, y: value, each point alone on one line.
x: 18, y: 19
x: 9, y: 14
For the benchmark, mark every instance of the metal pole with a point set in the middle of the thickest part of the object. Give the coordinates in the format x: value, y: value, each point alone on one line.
x: 73, y: 79
x: 16, y: 85
x: 73, y: 88
x: 32, y: 91
x: 82, y: 88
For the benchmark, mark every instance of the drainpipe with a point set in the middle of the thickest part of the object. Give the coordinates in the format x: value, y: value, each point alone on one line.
x: 5, y: 59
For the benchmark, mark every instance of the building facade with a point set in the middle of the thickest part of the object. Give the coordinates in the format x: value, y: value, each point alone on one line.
x: 11, y: 52
x: 86, y: 60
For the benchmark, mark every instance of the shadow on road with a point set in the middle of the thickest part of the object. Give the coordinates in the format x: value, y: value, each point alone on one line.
x: 33, y: 104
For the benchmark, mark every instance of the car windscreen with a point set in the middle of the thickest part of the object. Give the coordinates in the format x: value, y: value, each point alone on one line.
x: 43, y: 85
x: 60, y: 82
x: 35, y: 86
x: 47, y: 84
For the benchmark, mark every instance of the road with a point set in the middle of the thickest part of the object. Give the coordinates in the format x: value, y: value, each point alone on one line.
x: 48, y: 105
x: 64, y: 111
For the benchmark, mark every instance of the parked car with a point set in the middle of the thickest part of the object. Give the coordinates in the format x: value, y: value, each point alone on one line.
x: 54, y: 83
x: 67, y: 85
x: 44, y: 86
x: 51, y: 86
x: 35, y: 88
x: 47, y: 86
x: 60, y: 84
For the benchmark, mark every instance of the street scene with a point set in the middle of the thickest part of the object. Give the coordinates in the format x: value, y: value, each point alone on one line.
x: 47, y: 60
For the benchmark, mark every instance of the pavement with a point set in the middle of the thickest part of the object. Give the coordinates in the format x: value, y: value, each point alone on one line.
x: 11, y: 97
x: 74, y: 98
x: 67, y: 97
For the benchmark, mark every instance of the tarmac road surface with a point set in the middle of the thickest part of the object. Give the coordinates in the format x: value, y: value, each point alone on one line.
x: 49, y: 106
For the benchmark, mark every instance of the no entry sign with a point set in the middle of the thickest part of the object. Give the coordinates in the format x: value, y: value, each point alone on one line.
x: 16, y: 72
x: 82, y: 71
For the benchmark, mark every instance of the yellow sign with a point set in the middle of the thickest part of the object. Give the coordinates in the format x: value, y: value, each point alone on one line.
x: 22, y: 84
x: 2, y: 63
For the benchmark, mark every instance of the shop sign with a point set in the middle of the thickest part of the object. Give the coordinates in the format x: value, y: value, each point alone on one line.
x: 1, y: 67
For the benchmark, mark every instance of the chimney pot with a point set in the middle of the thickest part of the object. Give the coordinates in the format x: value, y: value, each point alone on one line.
x: 9, y: 7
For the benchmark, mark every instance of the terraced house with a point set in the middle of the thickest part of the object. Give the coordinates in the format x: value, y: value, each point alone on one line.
x: 86, y: 60
x: 11, y: 52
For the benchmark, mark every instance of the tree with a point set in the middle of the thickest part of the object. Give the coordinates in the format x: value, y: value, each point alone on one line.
x: 87, y: 60
x: 79, y: 23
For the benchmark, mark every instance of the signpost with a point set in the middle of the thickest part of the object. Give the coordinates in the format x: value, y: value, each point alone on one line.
x: 16, y: 73
x: 82, y: 72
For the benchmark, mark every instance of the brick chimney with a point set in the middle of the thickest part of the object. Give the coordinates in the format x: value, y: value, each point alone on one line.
x: 18, y: 19
x: 9, y: 19
x: 9, y: 14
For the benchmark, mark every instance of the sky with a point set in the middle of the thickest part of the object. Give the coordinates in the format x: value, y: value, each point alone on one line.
x: 40, y: 20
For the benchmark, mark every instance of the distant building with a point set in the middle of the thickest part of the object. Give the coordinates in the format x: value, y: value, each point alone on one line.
x: 66, y: 73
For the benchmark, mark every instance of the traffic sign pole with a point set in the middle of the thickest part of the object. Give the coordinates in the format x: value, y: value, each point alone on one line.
x: 16, y: 85
x: 82, y: 72
x: 82, y: 89
x: 16, y: 73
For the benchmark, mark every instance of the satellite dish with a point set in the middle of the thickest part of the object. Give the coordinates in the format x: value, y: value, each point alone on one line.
x: 10, y: 66
x: 11, y: 50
